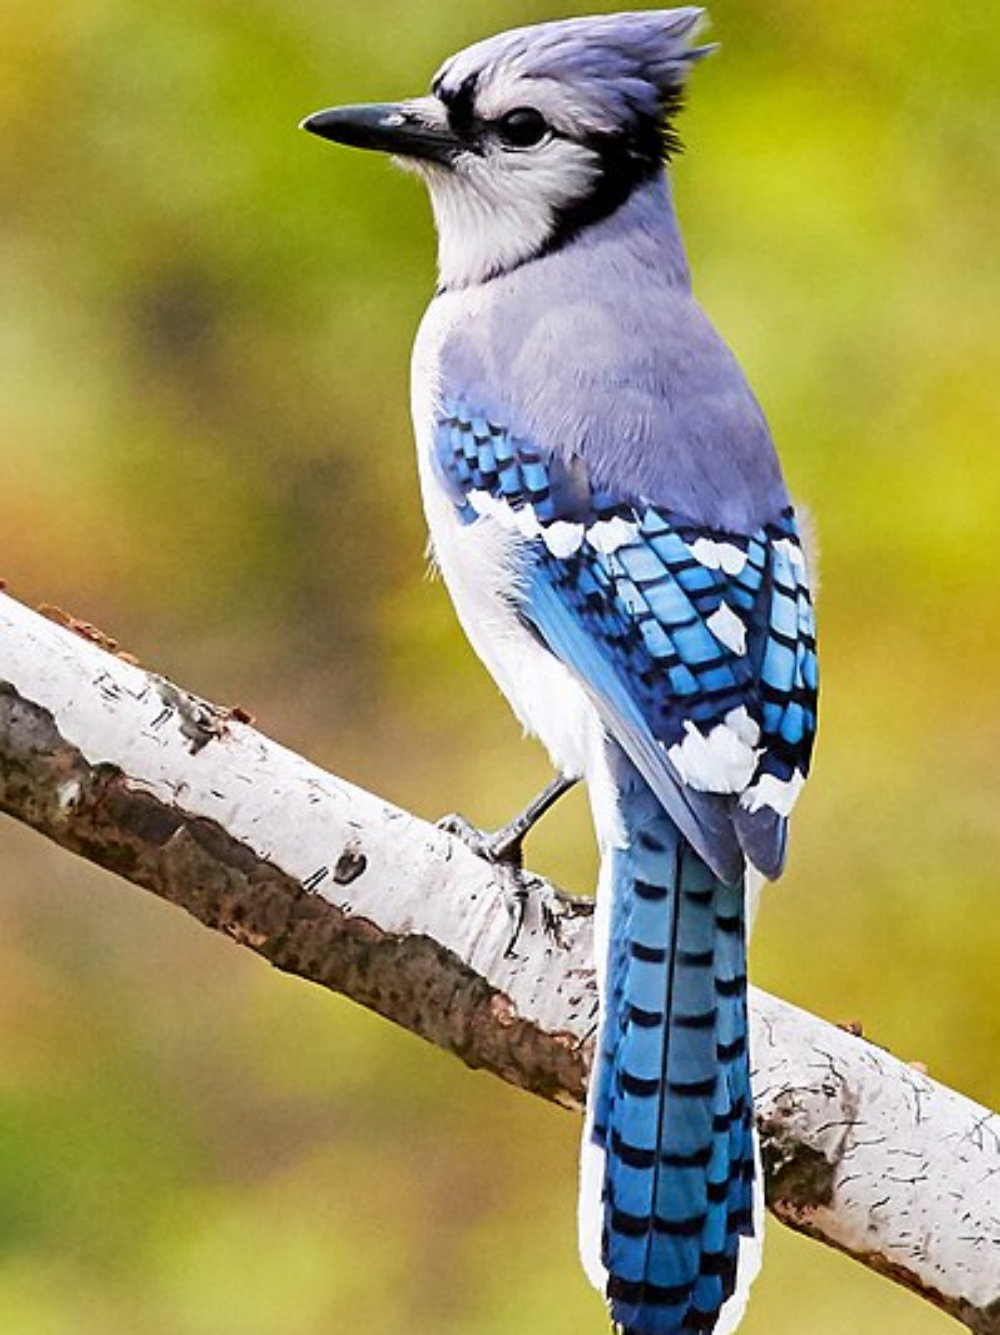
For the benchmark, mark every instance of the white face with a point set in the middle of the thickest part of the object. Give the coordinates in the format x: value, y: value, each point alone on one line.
x: 498, y: 204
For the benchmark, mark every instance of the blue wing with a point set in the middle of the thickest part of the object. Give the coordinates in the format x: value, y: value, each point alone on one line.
x: 696, y: 645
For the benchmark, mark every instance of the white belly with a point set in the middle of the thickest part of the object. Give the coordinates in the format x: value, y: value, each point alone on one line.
x: 480, y: 563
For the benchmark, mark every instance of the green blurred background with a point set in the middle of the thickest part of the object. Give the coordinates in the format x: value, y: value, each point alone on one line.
x: 205, y: 320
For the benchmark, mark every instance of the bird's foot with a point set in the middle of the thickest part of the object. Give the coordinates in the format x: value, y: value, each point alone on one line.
x: 557, y: 907
x: 525, y: 894
x: 528, y: 899
x: 506, y: 845
x: 504, y: 853
x: 535, y: 905
x: 498, y: 847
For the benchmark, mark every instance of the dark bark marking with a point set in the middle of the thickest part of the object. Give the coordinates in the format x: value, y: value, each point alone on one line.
x: 350, y: 865
x: 191, y: 861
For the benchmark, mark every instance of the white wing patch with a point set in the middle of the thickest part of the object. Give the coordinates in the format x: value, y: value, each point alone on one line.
x: 724, y: 556
x: 485, y: 504
x: 562, y: 538
x: 721, y: 761
x: 778, y: 794
x: 728, y: 628
x: 607, y: 535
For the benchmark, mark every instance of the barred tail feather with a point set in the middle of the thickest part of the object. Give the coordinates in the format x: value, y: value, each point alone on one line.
x: 670, y: 1206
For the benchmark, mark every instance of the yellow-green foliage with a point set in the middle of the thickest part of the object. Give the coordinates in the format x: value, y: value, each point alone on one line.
x: 205, y: 319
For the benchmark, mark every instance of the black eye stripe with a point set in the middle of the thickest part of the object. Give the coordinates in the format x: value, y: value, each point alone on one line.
x: 459, y: 103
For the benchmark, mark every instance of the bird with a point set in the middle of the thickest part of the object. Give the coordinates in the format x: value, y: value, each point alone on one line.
x: 606, y: 507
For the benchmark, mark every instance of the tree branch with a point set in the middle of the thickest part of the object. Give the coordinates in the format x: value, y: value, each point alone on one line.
x: 330, y: 883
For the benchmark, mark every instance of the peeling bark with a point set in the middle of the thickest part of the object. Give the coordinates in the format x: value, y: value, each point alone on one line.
x: 332, y: 884
x: 99, y: 812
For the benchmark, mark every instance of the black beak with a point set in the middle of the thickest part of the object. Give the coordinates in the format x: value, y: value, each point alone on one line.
x: 390, y: 127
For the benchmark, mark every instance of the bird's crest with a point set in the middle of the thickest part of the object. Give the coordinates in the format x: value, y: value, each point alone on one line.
x: 616, y: 68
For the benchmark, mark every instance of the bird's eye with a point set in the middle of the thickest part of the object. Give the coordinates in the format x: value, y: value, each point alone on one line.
x: 522, y: 128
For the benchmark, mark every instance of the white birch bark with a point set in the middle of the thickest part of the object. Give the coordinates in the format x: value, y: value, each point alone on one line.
x: 334, y: 884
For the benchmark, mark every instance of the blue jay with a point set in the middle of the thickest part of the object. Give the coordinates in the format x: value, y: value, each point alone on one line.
x: 608, y: 512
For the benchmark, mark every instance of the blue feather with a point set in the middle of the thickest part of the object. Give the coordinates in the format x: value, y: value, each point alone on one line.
x: 672, y: 1082
x: 670, y: 627
x: 634, y: 624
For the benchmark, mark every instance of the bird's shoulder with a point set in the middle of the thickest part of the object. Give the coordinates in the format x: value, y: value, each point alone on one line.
x: 636, y: 382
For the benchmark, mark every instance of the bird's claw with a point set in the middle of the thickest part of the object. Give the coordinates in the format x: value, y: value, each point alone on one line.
x: 502, y: 847
x: 531, y: 898
x: 556, y: 906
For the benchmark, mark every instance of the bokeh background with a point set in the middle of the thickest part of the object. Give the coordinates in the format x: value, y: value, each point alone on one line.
x: 205, y: 320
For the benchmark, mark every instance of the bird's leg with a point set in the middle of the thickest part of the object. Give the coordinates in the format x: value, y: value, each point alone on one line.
x: 506, y: 845
x: 505, y: 849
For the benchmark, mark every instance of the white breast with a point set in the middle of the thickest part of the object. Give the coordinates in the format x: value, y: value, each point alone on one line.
x: 482, y: 565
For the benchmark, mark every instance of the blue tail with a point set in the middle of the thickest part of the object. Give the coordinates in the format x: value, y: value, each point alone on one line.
x: 671, y: 1109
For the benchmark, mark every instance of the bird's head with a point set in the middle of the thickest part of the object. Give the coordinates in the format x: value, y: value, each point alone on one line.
x: 530, y: 137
